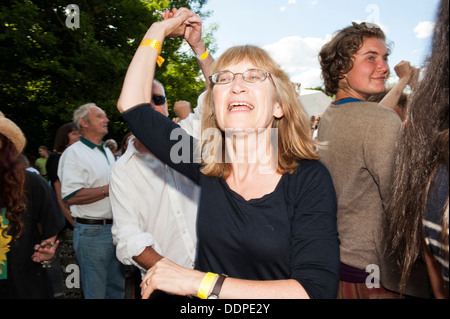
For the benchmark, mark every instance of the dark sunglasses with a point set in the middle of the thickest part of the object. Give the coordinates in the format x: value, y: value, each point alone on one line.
x: 158, y: 99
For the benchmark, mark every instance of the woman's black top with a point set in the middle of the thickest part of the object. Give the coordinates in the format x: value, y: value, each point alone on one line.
x: 290, y: 233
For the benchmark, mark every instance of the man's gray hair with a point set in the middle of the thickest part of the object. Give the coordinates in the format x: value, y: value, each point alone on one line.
x: 81, y: 113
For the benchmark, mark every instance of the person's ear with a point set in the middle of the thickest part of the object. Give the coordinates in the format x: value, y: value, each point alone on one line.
x: 83, y: 123
x: 278, y: 111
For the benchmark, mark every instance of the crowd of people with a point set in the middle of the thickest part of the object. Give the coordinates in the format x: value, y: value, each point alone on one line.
x: 245, y: 197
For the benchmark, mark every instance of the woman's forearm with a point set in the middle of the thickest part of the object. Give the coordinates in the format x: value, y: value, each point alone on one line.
x: 167, y: 276
x: 137, y: 87
x: 249, y: 289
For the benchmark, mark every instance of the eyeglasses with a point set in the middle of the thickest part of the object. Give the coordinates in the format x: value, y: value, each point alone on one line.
x: 249, y: 76
x: 158, y: 99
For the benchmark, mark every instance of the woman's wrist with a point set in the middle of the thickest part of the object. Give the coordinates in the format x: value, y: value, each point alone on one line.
x: 404, y: 80
x: 201, y: 52
x: 47, y: 263
x: 199, y: 48
x: 156, y: 31
x: 193, y: 285
x: 206, y: 285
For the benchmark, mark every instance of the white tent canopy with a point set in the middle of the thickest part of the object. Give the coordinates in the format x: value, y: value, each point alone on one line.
x: 314, y: 102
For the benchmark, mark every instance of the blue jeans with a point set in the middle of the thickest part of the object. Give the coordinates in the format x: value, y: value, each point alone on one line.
x: 102, y: 275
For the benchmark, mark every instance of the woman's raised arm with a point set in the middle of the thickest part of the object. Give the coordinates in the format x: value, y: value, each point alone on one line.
x: 139, y: 77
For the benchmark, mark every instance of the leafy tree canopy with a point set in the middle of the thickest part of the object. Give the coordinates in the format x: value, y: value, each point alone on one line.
x: 48, y: 70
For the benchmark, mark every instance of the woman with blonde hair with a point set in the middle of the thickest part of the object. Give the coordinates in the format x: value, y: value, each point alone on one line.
x: 267, y: 214
x: 292, y: 127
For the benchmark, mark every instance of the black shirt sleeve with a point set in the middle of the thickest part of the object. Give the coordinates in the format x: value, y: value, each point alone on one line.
x: 52, y: 167
x: 314, y: 236
x: 43, y: 206
x: 165, y: 139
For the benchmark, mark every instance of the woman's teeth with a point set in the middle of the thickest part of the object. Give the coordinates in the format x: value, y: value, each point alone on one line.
x: 240, y: 105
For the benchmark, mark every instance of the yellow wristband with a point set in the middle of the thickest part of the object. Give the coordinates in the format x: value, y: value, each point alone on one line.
x: 206, y: 285
x: 155, y: 44
x: 203, y: 56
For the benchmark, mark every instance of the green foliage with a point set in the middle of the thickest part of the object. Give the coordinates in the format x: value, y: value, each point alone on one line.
x: 318, y: 88
x: 48, y: 70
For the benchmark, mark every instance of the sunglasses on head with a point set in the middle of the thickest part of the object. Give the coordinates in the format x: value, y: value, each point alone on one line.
x: 158, y: 99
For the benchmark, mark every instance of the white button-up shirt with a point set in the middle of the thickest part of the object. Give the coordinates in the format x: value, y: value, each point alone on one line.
x: 153, y: 205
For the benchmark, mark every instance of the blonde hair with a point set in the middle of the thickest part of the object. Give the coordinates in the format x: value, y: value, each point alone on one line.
x: 294, y: 133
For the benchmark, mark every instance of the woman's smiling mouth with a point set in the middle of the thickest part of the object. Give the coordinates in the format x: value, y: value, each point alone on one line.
x: 240, y: 106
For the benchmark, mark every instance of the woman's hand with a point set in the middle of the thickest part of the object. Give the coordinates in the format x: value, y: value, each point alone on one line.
x: 406, y: 72
x: 138, y: 81
x: 193, y: 28
x: 167, y: 276
x: 174, y: 24
x: 44, y: 251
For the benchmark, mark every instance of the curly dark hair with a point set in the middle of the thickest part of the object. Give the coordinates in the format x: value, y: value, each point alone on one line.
x: 12, y: 194
x: 336, y: 57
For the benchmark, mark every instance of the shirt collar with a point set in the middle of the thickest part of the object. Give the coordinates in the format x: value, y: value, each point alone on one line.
x: 90, y: 144
x: 347, y: 100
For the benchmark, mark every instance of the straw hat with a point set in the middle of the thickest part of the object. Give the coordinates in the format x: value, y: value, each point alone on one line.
x: 12, y: 132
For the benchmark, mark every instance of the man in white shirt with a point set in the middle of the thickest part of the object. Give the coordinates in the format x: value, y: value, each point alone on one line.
x: 154, y: 206
x: 84, y: 172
